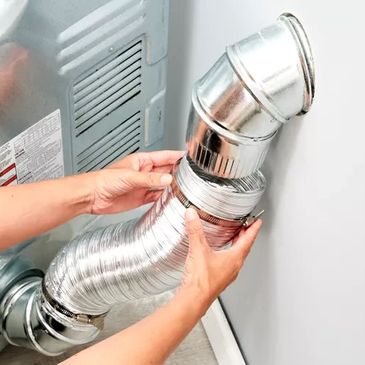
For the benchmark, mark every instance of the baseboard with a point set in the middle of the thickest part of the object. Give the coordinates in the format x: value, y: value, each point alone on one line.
x: 221, y: 338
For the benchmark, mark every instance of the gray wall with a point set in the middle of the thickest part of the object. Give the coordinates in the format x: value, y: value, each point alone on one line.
x: 301, y: 296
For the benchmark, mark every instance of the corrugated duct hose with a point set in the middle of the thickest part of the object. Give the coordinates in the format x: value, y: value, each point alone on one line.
x: 237, y: 108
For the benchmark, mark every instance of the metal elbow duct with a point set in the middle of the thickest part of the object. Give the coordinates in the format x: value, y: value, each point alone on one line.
x: 237, y: 108
x: 241, y: 102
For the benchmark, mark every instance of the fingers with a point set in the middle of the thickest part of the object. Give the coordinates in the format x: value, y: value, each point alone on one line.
x: 194, y: 228
x: 161, y: 158
x: 135, y: 199
x: 152, y: 180
x: 143, y: 161
x: 151, y: 196
x: 165, y: 168
x: 246, y: 238
x: 128, y: 162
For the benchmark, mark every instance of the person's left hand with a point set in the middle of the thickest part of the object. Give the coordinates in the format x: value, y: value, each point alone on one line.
x: 133, y: 181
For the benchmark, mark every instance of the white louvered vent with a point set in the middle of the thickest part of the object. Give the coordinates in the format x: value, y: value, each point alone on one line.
x: 119, y: 142
x: 111, y: 84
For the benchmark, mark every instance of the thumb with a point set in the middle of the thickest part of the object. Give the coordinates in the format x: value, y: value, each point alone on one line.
x: 194, y: 229
x: 138, y: 179
x: 246, y: 238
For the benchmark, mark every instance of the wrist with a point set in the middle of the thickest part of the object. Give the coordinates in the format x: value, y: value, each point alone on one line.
x: 83, y: 187
x: 193, y: 298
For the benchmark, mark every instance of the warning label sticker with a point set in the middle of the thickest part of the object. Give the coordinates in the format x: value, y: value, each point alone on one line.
x: 35, y: 154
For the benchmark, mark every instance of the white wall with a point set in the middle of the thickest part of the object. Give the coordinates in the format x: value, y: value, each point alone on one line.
x: 301, y: 296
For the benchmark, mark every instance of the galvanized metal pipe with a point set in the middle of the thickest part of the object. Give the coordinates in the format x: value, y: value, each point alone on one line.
x: 240, y: 103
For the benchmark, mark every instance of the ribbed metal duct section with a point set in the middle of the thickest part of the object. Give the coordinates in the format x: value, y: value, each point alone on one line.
x: 237, y: 107
x: 146, y: 256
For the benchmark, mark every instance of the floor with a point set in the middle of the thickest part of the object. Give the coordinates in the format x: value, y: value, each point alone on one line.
x: 195, y: 350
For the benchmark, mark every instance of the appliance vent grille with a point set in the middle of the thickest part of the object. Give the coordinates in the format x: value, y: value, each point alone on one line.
x: 119, y: 142
x: 107, y: 87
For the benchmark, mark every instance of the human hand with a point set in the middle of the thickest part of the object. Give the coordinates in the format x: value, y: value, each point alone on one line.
x: 133, y: 181
x: 207, y: 271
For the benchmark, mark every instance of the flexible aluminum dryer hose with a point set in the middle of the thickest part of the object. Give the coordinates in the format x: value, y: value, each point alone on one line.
x: 146, y: 256
x: 237, y: 107
x: 126, y: 261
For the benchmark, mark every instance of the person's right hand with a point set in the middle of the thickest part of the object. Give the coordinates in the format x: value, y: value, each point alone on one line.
x: 137, y: 179
x: 207, y: 271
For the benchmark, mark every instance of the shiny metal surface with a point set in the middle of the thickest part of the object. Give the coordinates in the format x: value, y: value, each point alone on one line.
x: 253, y: 88
x: 230, y: 199
x: 100, y: 268
x: 227, y: 100
x: 221, y: 152
x: 128, y: 260
x: 13, y: 307
x: 14, y: 267
x: 24, y: 264
x: 25, y: 322
x: 284, y: 86
x: 132, y: 260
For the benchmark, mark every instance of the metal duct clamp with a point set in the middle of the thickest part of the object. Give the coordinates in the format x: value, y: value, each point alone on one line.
x: 95, y: 320
x: 226, y: 199
x: 251, y: 219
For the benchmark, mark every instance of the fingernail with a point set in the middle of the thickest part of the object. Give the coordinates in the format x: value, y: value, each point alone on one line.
x: 166, y: 179
x: 260, y: 222
x: 190, y: 214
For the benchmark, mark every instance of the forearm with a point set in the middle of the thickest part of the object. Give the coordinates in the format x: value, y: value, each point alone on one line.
x: 30, y: 209
x: 151, y: 340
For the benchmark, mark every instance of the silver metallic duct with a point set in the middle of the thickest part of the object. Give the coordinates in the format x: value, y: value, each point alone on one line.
x: 221, y: 152
x: 125, y: 261
x: 146, y: 256
x: 237, y: 108
x: 240, y: 103
x: 219, y: 197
